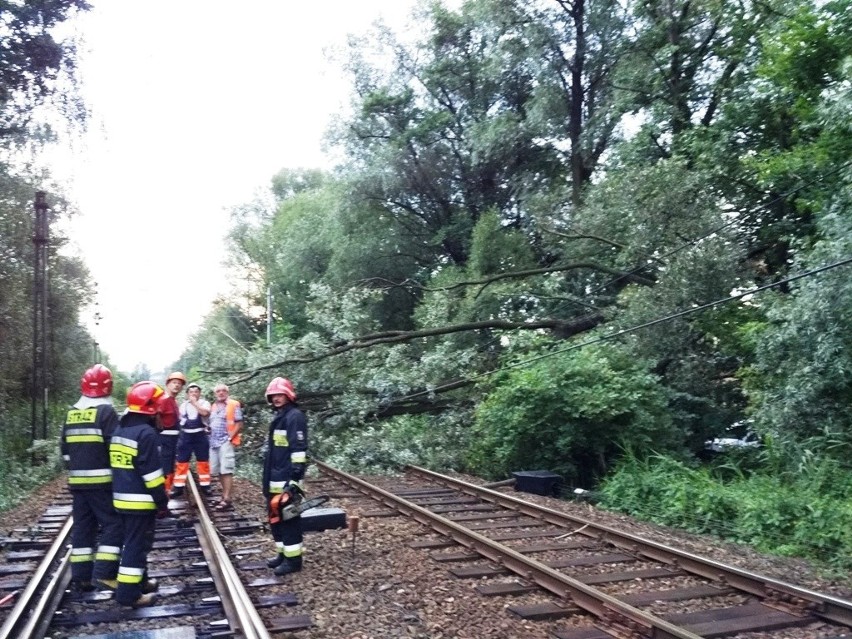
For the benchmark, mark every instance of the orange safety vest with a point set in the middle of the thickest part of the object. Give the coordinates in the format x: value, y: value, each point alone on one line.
x: 230, y: 413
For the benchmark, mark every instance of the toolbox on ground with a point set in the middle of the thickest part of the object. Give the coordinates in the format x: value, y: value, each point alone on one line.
x: 319, y: 519
x: 538, y: 482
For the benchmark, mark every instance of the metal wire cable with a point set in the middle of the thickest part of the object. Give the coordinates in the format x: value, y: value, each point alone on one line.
x: 632, y: 329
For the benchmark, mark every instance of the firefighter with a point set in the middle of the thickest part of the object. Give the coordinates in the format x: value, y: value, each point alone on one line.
x: 193, y: 439
x: 169, y: 426
x: 139, y: 493
x: 89, y: 425
x: 284, y: 465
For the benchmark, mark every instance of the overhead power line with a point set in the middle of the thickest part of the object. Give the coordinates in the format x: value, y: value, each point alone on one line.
x: 632, y: 329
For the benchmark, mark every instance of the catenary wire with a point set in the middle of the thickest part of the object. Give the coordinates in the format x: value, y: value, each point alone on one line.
x: 632, y: 329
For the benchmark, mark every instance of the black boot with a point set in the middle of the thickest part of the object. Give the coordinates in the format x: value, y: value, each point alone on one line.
x: 275, y: 561
x: 293, y: 564
x: 82, y: 586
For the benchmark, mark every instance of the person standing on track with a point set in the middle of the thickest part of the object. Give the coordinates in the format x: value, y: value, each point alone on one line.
x: 193, y: 439
x: 226, y: 422
x: 89, y: 425
x: 139, y: 493
x: 284, y: 464
x: 169, y: 426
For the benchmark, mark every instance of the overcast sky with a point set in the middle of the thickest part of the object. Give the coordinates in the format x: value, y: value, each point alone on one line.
x: 196, y: 104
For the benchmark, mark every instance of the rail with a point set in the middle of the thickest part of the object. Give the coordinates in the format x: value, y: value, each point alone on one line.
x: 245, y: 620
x: 39, y: 599
x: 590, y: 599
x: 822, y: 605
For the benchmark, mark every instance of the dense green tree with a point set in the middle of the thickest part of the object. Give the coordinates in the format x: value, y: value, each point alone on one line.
x: 570, y: 412
x: 488, y: 203
x: 32, y: 61
x: 445, y: 135
x: 802, y: 382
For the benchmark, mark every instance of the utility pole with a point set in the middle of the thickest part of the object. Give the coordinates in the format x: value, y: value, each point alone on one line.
x: 268, y: 315
x: 97, y: 317
x: 40, y: 293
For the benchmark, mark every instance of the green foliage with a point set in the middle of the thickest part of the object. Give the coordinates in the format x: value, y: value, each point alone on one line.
x: 36, y: 68
x: 26, y: 464
x: 386, y: 447
x: 485, y: 180
x: 801, y: 383
x: 498, y: 249
x: 806, y: 514
x: 570, y: 413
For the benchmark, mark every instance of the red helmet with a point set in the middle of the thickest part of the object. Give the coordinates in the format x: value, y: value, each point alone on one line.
x: 96, y: 382
x: 143, y: 397
x: 280, y: 386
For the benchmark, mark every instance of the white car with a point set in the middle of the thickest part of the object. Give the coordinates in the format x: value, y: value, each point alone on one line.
x: 722, y: 444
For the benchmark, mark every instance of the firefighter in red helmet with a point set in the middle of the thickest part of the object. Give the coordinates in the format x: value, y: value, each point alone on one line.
x: 97, y: 533
x: 139, y: 493
x: 283, y: 465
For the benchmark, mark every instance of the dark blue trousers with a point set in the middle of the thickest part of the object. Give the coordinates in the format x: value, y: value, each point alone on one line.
x: 138, y: 541
x: 96, y: 535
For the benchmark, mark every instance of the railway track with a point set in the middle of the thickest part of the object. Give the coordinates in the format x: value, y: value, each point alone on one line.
x: 553, y: 574
x: 625, y: 585
x: 202, y: 592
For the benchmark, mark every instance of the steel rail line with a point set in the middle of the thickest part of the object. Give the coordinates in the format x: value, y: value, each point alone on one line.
x: 615, y: 613
x: 246, y: 621
x: 32, y: 614
x: 25, y: 619
x: 773, y: 590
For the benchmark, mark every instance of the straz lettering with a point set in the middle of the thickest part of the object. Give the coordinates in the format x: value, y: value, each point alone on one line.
x: 120, y: 460
x: 280, y: 440
x: 86, y: 416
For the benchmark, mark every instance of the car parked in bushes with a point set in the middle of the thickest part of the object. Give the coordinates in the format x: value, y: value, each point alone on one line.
x: 738, y: 436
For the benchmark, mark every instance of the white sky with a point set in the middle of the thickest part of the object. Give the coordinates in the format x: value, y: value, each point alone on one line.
x: 196, y: 105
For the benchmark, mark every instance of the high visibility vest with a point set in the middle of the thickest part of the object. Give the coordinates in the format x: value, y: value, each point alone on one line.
x: 230, y: 413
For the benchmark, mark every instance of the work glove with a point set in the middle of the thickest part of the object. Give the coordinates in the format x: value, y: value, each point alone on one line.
x: 297, y: 471
x: 163, y: 512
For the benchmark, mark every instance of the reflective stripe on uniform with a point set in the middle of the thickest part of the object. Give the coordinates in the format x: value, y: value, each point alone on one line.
x: 128, y: 575
x: 154, y: 479
x: 84, y: 435
x: 108, y: 553
x: 133, y: 501
x: 92, y: 472
x: 88, y: 477
x: 293, y: 551
x: 124, y: 441
x: 81, y: 554
x: 299, y: 457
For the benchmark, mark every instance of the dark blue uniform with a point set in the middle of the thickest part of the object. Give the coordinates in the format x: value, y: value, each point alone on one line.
x: 138, y: 493
x: 89, y: 425
x: 285, y: 461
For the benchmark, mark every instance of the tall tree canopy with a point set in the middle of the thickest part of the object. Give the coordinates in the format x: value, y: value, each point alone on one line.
x: 531, y: 178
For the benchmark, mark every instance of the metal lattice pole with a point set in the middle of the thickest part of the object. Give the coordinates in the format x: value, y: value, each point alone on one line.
x: 39, y: 375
